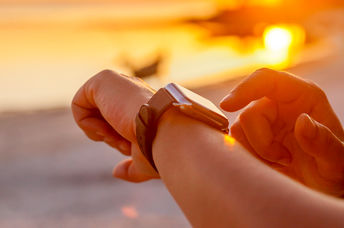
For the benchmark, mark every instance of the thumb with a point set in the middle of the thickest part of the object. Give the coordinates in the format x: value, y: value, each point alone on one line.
x: 126, y: 170
x: 318, y: 141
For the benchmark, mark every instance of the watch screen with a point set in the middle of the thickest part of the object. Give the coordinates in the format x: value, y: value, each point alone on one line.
x: 195, y: 98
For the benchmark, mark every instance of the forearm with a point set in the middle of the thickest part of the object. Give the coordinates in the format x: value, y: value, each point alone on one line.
x: 217, y: 184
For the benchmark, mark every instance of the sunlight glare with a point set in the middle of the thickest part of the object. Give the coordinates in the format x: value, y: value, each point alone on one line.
x: 265, y: 2
x: 277, y: 38
x: 229, y: 140
x: 281, y: 43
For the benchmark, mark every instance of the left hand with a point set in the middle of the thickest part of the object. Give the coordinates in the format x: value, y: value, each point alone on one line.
x: 291, y: 126
x: 105, y: 108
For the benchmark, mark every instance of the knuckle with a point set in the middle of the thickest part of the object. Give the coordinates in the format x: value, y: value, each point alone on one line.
x: 74, y: 102
x: 105, y: 73
x: 265, y: 74
x: 98, y: 79
x: 264, y: 70
x: 321, y: 95
x: 235, y: 129
x: 245, y: 116
x: 316, y: 90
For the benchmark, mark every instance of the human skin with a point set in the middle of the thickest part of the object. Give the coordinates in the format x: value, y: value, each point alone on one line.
x: 290, y: 123
x: 215, y: 181
x: 105, y: 108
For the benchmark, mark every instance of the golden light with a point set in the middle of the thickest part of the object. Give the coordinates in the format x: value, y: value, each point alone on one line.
x: 51, y: 42
x: 129, y: 212
x: 229, y: 140
x: 265, y: 2
x: 278, y: 38
x: 282, y: 42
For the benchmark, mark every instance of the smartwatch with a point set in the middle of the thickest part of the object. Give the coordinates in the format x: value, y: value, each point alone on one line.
x: 184, y: 101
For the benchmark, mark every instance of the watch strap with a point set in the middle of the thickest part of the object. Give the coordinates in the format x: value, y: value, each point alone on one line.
x: 147, y: 121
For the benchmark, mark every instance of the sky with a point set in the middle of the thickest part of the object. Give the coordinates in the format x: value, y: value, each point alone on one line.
x: 38, y: 11
x: 227, y: 3
x: 49, y: 44
x: 89, y: 1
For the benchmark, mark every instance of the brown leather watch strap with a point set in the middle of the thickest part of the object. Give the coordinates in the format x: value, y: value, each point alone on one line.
x: 147, y: 121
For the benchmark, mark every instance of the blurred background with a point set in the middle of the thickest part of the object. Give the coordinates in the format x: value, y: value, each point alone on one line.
x: 50, y: 174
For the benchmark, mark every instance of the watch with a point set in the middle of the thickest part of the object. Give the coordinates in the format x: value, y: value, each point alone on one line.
x: 179, y: 98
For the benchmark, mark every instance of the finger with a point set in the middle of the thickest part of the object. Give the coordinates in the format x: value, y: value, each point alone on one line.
x: 99, y: 130
x: 107, y: 92
x: 122, y: 146
x: 126, y: 170
x: 256, y: 122
x: 279, y: 86
x: 95, y: 99
x: 318, y: 141
x: 238, y: 133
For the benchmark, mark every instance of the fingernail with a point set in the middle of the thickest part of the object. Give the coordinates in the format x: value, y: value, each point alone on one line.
x: 309, y: 127
x: 228, y: 97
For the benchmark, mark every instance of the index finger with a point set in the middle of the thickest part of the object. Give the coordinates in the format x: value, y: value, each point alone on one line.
x: 278, y: 86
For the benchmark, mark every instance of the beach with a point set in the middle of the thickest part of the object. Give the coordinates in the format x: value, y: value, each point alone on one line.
x: 51, y: 175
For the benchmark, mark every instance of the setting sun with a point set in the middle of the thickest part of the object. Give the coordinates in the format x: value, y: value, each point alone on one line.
x: 277, y: 38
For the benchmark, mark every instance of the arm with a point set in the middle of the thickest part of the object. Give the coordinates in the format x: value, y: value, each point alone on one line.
x: 215, y: 183
x: 219, y: 184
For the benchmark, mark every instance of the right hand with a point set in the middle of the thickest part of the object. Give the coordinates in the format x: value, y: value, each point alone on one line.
x: 105, y: 108
x: 292, y: 126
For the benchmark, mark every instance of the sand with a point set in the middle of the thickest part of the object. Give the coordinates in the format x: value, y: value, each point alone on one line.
x: 51, y: 175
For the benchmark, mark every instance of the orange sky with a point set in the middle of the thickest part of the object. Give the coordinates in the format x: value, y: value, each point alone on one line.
x: 89, y: 1
x: 218, y: 3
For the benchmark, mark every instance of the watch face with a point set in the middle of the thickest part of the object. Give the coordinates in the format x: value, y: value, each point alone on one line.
x: 197, y: 106
x: 194, y: 98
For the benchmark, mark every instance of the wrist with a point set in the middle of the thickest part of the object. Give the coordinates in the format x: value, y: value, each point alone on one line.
x: 173, y: 106
x: 174, y: 121
x: 177, y: 133
x: 172, y: 118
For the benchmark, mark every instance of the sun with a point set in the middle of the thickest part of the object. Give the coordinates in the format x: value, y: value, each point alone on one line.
x: 277, y: 38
